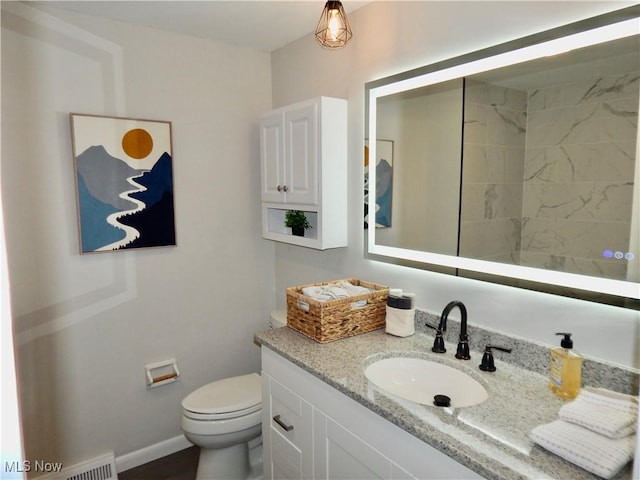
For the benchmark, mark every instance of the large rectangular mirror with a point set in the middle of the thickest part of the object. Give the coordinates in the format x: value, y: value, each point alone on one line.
x: 516, y: 164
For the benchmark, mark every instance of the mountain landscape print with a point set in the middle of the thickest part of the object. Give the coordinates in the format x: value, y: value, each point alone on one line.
x: 124, y: 177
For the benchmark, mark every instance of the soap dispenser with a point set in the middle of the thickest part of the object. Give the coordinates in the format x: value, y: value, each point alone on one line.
x: 565, y: 369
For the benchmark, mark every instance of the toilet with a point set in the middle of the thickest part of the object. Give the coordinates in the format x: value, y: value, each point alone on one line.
x: 278, y: 318
x: 223, y: 418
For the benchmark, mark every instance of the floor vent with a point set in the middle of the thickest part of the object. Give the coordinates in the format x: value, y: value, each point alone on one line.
x: 99, y: 468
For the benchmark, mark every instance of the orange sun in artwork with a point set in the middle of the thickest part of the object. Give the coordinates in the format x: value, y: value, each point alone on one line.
x: 137, y: 143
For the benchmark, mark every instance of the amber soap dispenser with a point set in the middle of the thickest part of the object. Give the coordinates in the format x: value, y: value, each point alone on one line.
x: 565, y: 369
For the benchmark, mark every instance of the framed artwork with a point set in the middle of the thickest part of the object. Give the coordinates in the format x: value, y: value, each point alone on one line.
x: 384, y: 183
x: 124, y: 182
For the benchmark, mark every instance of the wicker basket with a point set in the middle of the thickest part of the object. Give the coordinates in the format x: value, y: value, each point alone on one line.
x: 334, y: 319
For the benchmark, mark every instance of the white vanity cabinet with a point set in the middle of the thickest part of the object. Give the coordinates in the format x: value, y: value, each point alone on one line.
x: 341, y: 454
x: 287, y: 423
x: 303, y: 162
x: 337, y: 438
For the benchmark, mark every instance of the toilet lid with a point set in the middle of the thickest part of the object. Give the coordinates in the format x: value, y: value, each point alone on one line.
x: 224, y: 396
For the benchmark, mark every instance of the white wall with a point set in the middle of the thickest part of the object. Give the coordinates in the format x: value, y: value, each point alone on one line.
x: 86, y: 325
x: 426, y: 131
x: 391, y: 37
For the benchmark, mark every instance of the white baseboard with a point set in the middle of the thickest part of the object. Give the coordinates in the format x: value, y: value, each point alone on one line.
x: 151, y: 453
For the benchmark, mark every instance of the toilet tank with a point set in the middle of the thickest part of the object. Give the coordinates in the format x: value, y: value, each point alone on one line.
x: 278, y: 318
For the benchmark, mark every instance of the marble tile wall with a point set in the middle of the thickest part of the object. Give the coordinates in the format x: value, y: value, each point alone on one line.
x: 493, y: 166
x: 578, y: 175
x: 547, y: 174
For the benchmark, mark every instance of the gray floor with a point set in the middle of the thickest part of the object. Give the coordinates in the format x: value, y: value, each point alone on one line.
x: 181, y: 465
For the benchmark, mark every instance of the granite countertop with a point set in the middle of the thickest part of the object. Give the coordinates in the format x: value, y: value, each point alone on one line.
x: 490, y: 438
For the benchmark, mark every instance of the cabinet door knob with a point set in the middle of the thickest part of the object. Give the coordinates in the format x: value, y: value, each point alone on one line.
x: 279, y: 188
x: 285, y: 427
x: 285, y: 188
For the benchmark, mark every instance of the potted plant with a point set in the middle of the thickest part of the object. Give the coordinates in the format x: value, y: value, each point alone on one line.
x: 297, y: 221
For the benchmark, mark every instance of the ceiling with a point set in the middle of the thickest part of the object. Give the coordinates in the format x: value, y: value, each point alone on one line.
x: 265, y: 25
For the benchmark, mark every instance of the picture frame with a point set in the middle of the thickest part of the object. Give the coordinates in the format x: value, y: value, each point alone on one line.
x: 384, y: 185
x: 124, y: 182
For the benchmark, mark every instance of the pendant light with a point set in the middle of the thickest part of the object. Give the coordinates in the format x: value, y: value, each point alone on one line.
x: 333, y: 30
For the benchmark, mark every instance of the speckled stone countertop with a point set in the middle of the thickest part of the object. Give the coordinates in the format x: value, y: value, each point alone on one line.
x: 490, y: 438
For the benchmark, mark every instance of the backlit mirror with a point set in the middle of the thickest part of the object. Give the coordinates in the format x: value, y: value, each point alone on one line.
x: 517, y: 164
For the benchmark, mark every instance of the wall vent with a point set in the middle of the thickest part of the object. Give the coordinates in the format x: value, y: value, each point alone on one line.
x: 99, y: 468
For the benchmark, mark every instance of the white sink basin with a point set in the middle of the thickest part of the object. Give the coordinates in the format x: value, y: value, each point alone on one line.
x: 420, y: 380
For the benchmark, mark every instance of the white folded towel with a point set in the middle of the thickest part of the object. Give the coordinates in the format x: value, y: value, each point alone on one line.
x: 334, y: 291
x: 604, y: 411
x: 324, y: 293
x: 354, y: 290
x: 596, y: 453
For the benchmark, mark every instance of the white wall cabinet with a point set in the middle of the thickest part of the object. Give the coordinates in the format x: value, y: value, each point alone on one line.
x: 337, y: 438
x: 303, y: 161
x: 290, y: 154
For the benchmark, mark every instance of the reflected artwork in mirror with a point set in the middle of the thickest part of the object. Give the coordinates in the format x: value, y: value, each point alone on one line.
x: 518, y: 164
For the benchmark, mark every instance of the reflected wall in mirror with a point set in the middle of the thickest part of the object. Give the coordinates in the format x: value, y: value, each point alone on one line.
x: 520, y: 170
x: 427, y: 125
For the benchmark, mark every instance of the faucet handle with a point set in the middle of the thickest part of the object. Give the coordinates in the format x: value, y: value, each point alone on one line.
x: 487, y: 364
x: 438, y: 342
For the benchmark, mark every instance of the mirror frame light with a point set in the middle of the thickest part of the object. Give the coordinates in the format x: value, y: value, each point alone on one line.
x: 611, y: 26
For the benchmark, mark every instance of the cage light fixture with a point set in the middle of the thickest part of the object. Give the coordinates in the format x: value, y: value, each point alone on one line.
x: 333, y: 30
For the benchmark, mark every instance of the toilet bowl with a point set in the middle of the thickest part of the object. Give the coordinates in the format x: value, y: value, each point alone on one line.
x: 222, y: 418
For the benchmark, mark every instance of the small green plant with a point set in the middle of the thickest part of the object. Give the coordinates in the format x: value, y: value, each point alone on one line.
x: 296, y: 220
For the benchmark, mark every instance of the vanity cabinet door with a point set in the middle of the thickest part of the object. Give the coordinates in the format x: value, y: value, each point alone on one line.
x: 287, y: 433
x: 341, y: 455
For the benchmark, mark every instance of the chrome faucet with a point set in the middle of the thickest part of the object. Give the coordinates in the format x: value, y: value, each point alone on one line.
x: 463, y: 343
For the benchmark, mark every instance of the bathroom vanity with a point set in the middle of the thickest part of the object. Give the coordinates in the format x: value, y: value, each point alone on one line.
x: 322, y: 418
x: 321, y: 433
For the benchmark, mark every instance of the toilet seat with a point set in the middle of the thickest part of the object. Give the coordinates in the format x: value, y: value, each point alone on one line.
x: 225, y: 399
x: 221, y: 416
